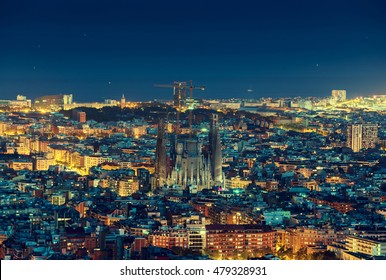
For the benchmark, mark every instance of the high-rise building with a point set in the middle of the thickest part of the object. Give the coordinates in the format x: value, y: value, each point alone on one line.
x: 339, y: 95
x: 81, y: 117
x: 123, y: 101
x: 354, y: 137
x: 362, y: 136
x: 20, y: 102
x: 143, y: 178
x: 20, y: 97
x: 67, y: 99
x: 369, y: 136
x: 53, y: 101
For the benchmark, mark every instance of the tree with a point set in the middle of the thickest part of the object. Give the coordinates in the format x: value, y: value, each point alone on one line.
x: 257, y: 253
x: 184, y: 251
x: 285, y: 253
x: 301, y: 254
x: 215, y: 255
x: 244, y: 255
x: 326, y: 255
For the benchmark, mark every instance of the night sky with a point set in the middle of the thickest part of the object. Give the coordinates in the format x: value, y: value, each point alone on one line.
x: 250, y: 49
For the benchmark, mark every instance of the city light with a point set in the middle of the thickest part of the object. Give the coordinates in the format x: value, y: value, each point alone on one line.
x: 231, y: 186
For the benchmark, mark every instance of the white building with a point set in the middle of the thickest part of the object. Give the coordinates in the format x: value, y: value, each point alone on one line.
x: 338, y: 95
x: 365, y: 246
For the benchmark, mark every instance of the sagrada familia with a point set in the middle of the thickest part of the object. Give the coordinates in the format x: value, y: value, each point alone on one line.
x: 184, y: 163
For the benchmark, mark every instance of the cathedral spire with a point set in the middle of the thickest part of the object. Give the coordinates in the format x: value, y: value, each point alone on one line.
x: 160, y: 175
x: 215, y: 151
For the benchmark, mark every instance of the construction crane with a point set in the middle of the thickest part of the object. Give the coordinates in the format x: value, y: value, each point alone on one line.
x: 179, y: 89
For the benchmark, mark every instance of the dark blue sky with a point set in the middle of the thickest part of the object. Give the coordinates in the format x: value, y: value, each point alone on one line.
x: 96, y: 49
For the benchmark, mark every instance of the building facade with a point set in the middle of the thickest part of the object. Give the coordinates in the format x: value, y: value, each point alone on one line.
x: 367, y: 246
x: 362, y: 136
x: 338, y: 95
x: 232, y: 241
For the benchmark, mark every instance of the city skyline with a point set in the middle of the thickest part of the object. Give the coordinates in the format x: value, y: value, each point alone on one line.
x: 193, y: 130
x: 248, y: 50
x: 289, y: 179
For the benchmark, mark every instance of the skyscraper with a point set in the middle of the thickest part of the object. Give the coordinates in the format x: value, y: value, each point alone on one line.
x: 362, y: 136
x: 354, y: 137
x: 369, y: 136
x: 339, y: 95
x: 123, y: 101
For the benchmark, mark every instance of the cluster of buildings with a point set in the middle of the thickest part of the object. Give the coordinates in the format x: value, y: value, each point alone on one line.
x: 20, y: 102
x: 233, y: 184
x: 55, y: 102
